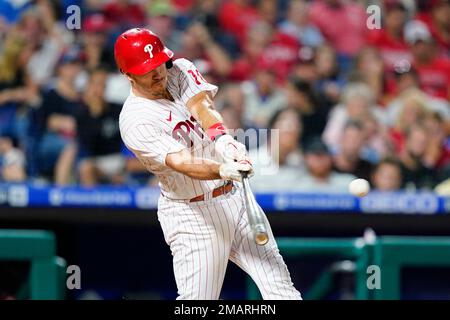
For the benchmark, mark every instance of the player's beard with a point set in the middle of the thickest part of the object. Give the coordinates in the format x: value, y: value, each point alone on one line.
x: 159, y: 88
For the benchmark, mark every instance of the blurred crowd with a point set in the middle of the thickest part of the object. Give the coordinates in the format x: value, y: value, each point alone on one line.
x: 349, y: 99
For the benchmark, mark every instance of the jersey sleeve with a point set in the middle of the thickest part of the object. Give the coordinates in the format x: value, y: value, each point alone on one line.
x: 191, y: 81
x: 150, y: 144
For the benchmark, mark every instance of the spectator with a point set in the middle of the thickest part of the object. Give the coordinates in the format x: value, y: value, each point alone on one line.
x: 389, y: 39
x: 162, y: 21
x: 329, y: 83
x: 408, y: 85
x: 198, y: 46
x: 281, y: 53
x: 416, y: 174
x: 412, y: 109
x: 319, y: 175
x: 125, y: 14
x: 433, y: 70
x: 12, y: 161
x: 348, y: 156
x: 297, y: 25
x: 335, y: 18
x: 301, y: 96
x: 277, y: 163
x: 266, y: 45
x: 438, y: 22
x: 357, y: 103
x: 16, y: 86
x: 230, y: 102
x: 387, y: 175
x: 262, y: 97
x: 98, y: 135
x: 237, y: 17
x: 306, y: 67
x: 231, y: 96
x: 94, y: 39
x: 135, y: 172
x: 404, y: 77
x: 44, y: 40
x: 369, y: 68
x: 377, y: 145
x: 56, y: 122
x: 205, y: 12
x: 268, y: 11
x: 183, y: 5
x: 438, y: 151
x: 232, y: 120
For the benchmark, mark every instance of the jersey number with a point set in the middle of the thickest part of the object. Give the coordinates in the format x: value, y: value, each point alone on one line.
x: 196, y: 75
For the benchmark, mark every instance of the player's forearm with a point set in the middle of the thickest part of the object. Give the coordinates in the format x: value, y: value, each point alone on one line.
x: 204, y: 169
x: 193, y: 167
x: 202, y: 109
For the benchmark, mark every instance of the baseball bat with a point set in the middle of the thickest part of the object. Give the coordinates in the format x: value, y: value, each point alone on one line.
x: 255, y: 216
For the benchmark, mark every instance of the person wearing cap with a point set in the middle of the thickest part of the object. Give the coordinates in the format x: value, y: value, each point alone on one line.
x: 56, y: 124
x: 124, y: 13
x: 162, y: 20
x: 433, y: 70
x: 95, y: 29
x: 319, y: 175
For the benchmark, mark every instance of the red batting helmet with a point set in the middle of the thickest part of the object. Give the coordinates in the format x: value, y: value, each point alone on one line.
x: 138, y: 51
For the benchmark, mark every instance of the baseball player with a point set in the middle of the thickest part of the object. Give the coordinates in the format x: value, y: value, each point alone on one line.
x: 168, y: 121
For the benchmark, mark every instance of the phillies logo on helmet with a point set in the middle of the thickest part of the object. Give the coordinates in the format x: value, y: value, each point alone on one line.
x: 149, y: 49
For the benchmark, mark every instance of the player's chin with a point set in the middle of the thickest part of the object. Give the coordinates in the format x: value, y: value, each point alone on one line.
x: 161, y: 84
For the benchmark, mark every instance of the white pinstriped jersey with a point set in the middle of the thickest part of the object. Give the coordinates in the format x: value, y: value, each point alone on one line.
x: 154, y: 128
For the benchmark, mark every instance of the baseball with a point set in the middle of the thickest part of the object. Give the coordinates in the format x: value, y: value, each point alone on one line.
x: 359, y: 187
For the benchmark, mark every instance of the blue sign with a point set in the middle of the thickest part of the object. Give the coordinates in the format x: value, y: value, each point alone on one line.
x: 23, y: 195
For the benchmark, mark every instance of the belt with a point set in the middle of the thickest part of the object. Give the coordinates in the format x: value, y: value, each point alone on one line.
x: 226, y: 188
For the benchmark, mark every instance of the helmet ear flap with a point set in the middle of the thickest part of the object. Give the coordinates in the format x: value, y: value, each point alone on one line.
x: 169, y: 64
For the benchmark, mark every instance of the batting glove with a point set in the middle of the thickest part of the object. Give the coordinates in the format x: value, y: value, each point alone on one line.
x: 230, y: 150
x: 232, y: 170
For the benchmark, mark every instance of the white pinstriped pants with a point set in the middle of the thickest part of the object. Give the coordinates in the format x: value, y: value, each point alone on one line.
x: 204, y: 235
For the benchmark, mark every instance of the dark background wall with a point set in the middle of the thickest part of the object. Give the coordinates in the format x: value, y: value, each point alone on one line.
x: 122, y: 253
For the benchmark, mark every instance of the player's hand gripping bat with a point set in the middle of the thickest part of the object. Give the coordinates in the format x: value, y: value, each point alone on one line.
x: 255, y: 216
